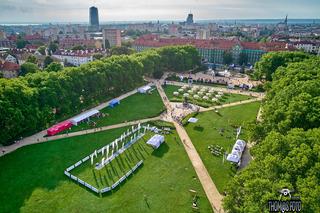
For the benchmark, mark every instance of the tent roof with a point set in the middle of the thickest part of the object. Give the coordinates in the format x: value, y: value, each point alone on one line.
x: 84, y: 116
x: 145, y: 88
x: 193, y: 120
x: 156, y: 140
x: 233, y: 158
x: 114, y: 101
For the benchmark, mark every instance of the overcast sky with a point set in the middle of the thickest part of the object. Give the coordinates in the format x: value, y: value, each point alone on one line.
x: 131, y: 10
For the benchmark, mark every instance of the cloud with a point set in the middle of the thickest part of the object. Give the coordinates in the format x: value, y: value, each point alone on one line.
x: 115, y: 10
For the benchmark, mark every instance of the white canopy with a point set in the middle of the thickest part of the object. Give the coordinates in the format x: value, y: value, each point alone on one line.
x: 144, y: 89
x: 233, y: 158
x: 156, y: 141
x: 81, y: 117
x: 193, y: 120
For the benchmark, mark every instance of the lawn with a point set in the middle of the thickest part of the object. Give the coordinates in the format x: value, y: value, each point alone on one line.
x: 32, y: 179
x: 134, y: 107
x: 226, y: 98
x: 207, y: 132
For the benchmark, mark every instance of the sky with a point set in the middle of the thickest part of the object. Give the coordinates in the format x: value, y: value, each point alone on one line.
x: 34, y: 11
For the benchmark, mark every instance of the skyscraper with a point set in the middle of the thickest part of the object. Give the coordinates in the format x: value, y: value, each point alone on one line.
x: 94, y: 18
x: 189, y: 18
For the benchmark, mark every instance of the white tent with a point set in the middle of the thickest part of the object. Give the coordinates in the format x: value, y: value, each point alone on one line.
x: 156, y: 141
x: 233, y: 158
x: 144, y: 89
x: 193, y: 120
x: 86, y: 115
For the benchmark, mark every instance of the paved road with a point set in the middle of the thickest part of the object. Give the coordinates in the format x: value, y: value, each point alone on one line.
x: 209, y: 187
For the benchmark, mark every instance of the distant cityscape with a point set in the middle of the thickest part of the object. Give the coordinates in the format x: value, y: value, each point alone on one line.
x: 241, y: 42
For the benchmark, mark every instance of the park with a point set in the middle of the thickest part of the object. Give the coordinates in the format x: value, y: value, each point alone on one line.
x: 136, y: 151
x: 135, y: 168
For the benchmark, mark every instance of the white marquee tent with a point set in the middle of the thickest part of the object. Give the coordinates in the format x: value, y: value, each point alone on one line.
x: 144, y: 89
x: 156, y: 141
x: 86, y: 115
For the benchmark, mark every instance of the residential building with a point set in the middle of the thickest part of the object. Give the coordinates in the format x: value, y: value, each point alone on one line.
x: 308, y: 46
x: 111, y: 38
x: 9, y: 69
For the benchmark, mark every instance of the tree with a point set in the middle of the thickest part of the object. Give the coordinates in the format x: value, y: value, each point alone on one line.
x: 270, y: 62
x: 54, y: 67
x: 97, y: 56
x: 21, y: 43
x: 78, y: 47
x: 107, y: 44
x: 122, y: 51
x: 227, y: 57
x: 32, y: 59
x: 28, y: 67
x: 42, y: 50
x: 48, y: 60
x: 52, y: 47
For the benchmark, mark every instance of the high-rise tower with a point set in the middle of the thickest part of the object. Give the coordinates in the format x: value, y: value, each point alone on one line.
x: 94, y: 18
x: 190, y: 18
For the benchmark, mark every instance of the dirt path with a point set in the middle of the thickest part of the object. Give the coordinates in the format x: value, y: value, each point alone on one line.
x: 209, y: 187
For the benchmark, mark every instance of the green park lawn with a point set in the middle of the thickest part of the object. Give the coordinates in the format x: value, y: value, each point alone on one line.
x: 206, y: 132
x: 32, y: 178
x: 227, y: 98
x: 134, y: 107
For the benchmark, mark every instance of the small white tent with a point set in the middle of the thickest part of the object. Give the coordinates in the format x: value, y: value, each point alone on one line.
x: 156, y: 141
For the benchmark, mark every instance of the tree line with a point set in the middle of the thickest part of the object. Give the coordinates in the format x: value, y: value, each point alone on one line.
x: 36, y: 101
x: 286, y: 154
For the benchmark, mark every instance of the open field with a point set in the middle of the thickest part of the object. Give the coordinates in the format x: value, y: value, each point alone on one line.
x: 134, y: 107
x: 32, y: 178
x: 226, y: 98
x: 207, y: 131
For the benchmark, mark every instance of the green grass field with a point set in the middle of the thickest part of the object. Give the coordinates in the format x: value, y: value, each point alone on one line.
x: 32, y: 179
x: 134, y: 107
x: 206, y: 132
x: 227, y: 98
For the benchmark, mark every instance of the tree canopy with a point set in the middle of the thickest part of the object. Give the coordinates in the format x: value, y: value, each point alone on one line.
x: 270, y: 62
x: 28, y: 68
x: 54, y: 67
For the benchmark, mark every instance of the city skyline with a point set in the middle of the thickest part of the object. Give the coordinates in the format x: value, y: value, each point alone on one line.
x: 12, y: 11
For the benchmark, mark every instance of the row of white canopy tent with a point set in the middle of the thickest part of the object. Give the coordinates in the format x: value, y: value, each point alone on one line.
x: 237, y: 150
x: 83, y: 116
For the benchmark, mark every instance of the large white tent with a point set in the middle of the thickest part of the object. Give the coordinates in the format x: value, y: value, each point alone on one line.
x: 144, y: 89
x: 156, y: 141
x: 237, y: 150
x: 83, y: 116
